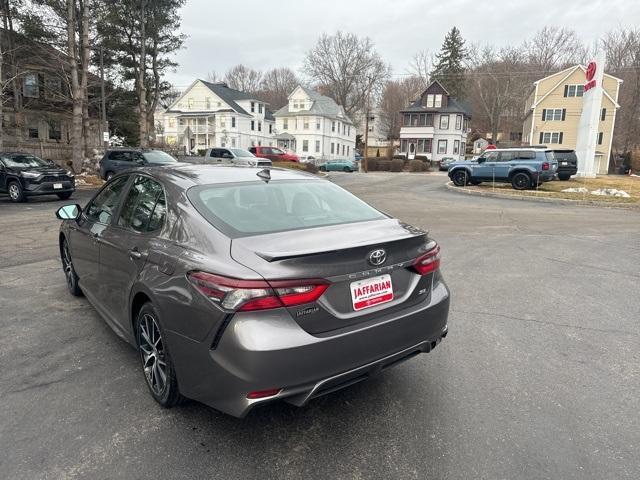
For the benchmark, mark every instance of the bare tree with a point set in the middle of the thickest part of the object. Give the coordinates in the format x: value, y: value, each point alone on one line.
x: 622, y: 49
x: 243, y: 78
x: 276, y: 86
x: 348, y: 69
x: 421, y: 65
x: 553, y: 48
x: 213, y: 77
x: 498, y: 86
x: 396, y: 96
x: 140, y: 81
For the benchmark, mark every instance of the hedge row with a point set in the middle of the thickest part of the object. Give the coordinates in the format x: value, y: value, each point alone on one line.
x: 398, y: 164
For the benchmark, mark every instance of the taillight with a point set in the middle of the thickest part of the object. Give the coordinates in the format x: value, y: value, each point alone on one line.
x: 264, y: 393
x: 247, y: 295
x: 545, y: 165
x: 428, y: 262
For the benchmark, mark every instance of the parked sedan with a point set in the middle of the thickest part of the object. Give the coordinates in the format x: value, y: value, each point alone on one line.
x: 274, y: 154
x: 24, y: 175
x: 239, y: 287
x: 238, y: 156
x: 120, y: 159
x: 338, y: 166
x: 445, y: 163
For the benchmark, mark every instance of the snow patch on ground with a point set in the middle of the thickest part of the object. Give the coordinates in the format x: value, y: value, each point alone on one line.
x: 576, y: 190
x: 610, y: 192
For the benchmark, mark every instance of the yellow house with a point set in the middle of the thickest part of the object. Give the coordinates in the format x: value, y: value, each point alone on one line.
x: 553, y: 109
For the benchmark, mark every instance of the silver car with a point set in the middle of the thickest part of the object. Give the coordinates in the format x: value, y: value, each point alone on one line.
x: 241, y: 287
x: 237, y: 156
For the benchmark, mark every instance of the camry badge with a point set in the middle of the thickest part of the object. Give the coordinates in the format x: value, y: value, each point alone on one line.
x: 377, y: 257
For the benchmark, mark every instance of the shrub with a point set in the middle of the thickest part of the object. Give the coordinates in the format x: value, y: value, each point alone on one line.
x: 416, y: 166
x: 424, y: 158
x: 384, y: 165
x: 311, y: 168
x: 372, y: 164
x: 397, y: 165
x: 401, y: 157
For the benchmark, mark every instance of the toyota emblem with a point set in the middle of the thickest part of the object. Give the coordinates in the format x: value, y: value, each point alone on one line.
x: 377, y: 257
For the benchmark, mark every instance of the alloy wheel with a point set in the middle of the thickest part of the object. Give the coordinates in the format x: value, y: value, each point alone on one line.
x: 14, y: 192
x: 67, y: 264
x: 152, y: 354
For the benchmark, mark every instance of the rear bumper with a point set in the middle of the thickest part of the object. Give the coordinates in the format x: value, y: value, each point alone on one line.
x: 272, y: 351
x: 567, y: 170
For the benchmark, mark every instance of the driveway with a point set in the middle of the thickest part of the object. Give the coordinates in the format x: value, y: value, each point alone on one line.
x: 539, y: 377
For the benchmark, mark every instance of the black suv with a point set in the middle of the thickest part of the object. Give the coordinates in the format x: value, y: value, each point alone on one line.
x: 24, y: 175
x: 567, y: 163
x: 120, y: 159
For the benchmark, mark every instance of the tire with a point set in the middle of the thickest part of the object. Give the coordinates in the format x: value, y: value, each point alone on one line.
x: 564, y: 176
x: 347, y: 169
x: 108, y: 175
x: 16, y: 194
x: 323, y: 169
x: 460, y: 178
x: 69, y: 271
x: 521, y: 181
x: 65, y: 195
x: 161, y: 381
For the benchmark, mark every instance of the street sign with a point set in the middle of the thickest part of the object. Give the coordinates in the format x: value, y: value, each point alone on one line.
x: 105, y: 136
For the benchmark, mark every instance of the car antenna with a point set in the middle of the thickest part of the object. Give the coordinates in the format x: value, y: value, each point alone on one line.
x: 264, y: 175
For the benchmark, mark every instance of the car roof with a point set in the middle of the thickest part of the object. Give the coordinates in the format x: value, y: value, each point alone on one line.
x: 186, y: 175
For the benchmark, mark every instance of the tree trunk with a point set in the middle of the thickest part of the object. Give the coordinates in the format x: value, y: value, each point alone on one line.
x: 84, y: 63
x: 1, y: 85
x: 76, y: 91
x: 142, y: 90
x: 155, y: 94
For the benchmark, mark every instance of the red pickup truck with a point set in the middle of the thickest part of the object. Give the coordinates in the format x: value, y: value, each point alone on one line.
x: 274, y: 154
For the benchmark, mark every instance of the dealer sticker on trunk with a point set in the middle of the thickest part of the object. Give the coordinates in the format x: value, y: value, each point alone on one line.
x: 372, y: 291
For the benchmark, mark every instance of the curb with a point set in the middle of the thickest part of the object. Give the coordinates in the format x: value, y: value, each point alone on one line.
x: 565, y: 201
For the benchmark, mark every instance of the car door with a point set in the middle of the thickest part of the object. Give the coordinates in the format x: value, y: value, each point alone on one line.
x: 3, y: 176
x: 503, y: 164
x: 85, y: 234
x: 484, y: 169
x: 214, y: 156
x: 125, y: 245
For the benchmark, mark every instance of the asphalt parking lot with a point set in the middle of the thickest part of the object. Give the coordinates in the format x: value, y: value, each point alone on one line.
x: 539, y: 377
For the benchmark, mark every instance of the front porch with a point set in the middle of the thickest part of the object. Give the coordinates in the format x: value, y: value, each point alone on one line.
x: 286, y: 141
x: 196, y: 131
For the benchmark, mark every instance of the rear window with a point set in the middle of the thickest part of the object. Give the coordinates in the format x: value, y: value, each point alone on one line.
x: 565, y: 155
x: 158, y: 156
x: 244, y: 209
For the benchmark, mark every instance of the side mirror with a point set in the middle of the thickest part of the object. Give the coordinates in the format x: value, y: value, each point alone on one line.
x: 51, y: 162
x: 481, y: 160
x: 140, y: 161
x: 69, y: 212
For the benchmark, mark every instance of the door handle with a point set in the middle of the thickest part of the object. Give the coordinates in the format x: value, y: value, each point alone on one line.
x: 135, y: 254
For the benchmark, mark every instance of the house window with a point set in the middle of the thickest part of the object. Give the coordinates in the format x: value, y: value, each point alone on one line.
x: 428, y: 145
x: 515, y: 136
x: 333, y: 126
x: 551, y: 137
x: 456, y: 147
x: 337, y: 148
x: 317, y: 124
x: 219, y: 104
x: 31, y: 86
x: 259, y: 143
x: 233, y: 142
x: 444, y: 122
x: 458, y: 122
x: 430, y: 100
x: 55, y: 130
x: 33, y: 130
x: 259, y: 126
x: 553, y: 114
x: 259, y: 108
x: 442, y: 147
x: 600, y: 137
x: 305, y: 124
x: 190, y: 103
x: 253, y: 107
x: 438, y: 101
x: 414, y: 120
x: 403, y: 145
x: 573, y: 90
x: 420, y: 148
x: 332, y: 148
x: 207, y: 103
x: 53, y: 87
x: 344, y: 129
x: 270, y: 128
x: 253, y: 125
x: 343, y: 150
x: 603, y: 115
x: 172, y: 122
x: 233, y: 122
x: 305, y: 145
x: 223, y: 123
x: 347, y: 150
x: 285, y: 124
x: 429, y: 122
x: 464, y: 148
x: 317, y: 146
x: 406, y: 119
x: 349, y: 131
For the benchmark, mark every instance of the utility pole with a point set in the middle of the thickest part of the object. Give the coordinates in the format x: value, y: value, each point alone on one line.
x: 366, y: 137
x: 103, y: 103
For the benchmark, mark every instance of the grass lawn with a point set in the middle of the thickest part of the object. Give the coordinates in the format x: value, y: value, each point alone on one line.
x: 291, y: 165
x: 631, y: 185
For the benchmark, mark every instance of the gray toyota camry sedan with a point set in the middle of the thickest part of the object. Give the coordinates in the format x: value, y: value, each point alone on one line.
x: 240, y: 286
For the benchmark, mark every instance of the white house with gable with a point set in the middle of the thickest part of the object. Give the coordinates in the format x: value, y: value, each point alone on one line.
x: 314, y: 125
x: 210, y: 115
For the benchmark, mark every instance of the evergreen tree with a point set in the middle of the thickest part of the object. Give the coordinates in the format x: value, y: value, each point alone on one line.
x: 449, y: 68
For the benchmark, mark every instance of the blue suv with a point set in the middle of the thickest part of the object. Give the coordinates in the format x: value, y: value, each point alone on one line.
x: 120, y: 159
x: 523, y: 168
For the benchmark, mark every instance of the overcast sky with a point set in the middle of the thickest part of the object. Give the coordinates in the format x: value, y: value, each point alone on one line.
x: 265, y: 34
